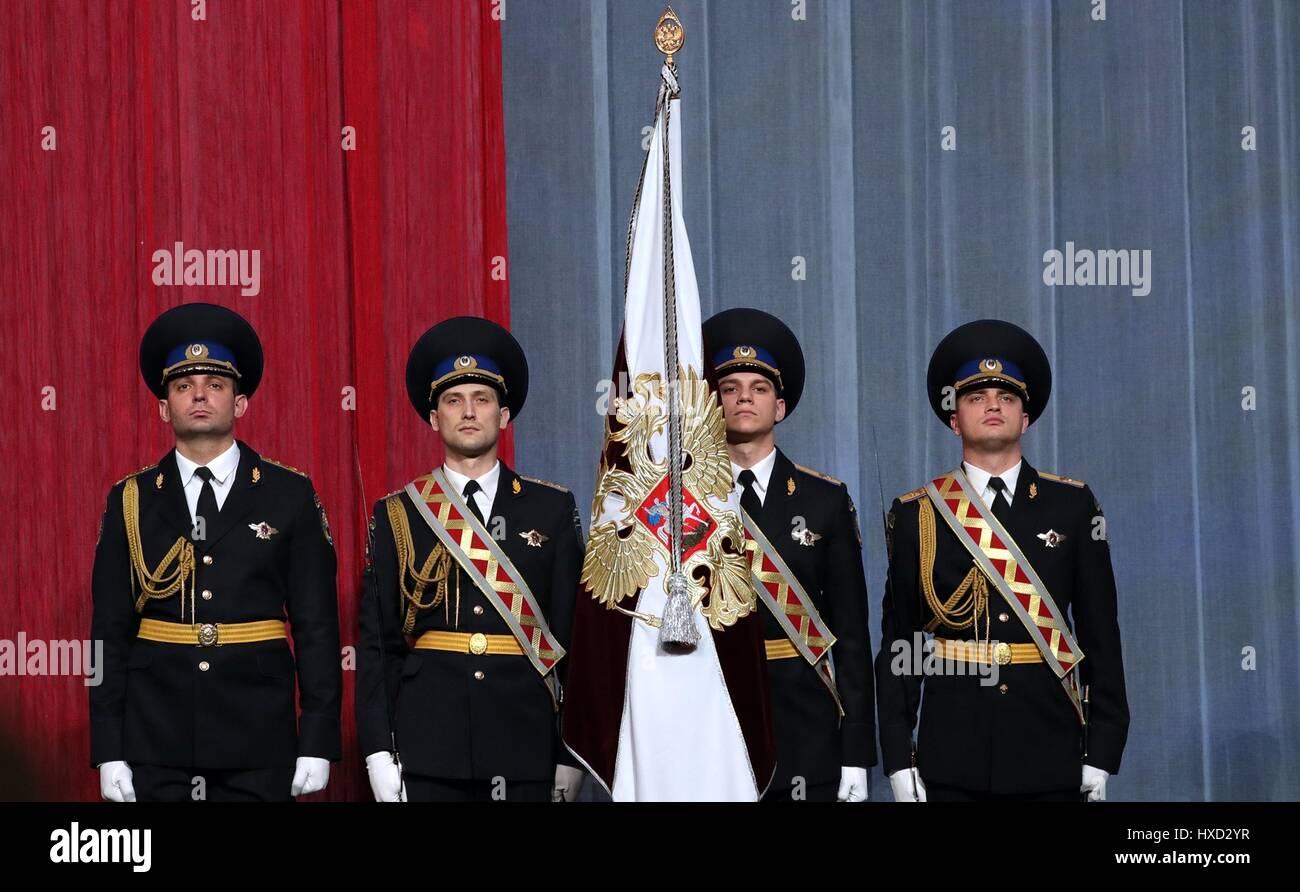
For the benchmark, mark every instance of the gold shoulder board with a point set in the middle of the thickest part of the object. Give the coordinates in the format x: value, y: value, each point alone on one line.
x: 1059, y: 479
x: 827, y: 477
x: 271, y: 461
x: 912, y: 496
x: 133, y: 473
x: 544, y: 483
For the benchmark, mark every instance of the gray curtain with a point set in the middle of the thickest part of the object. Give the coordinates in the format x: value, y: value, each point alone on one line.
x: 818, y: 146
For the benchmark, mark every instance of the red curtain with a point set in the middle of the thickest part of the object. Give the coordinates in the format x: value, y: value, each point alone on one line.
x: 225, y: 132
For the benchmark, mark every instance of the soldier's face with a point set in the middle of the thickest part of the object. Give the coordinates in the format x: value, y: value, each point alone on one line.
x: 470, y: 418
x: 991, y: 417
x: 749, y: 405
x: 202, y: 405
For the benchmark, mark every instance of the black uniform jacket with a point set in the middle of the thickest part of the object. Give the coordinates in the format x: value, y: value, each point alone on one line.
x: 461, y: 715
x: 1021, y: 734
x: 267, y: 556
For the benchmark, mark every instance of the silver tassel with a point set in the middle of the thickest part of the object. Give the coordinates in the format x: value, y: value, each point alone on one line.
x: 678, y: 627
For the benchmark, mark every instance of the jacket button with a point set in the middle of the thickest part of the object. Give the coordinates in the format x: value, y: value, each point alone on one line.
x: 478, y: 609
x: 478, y: 676
x: 1002, y: 617
x: 203, y: 666
x: 207, y: 559
x: 1002, y: 688
x: 207, y: 595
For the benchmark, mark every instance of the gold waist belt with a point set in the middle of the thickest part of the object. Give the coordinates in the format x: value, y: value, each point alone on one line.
x: 211, y: 634
x: 780, y: 648
x: 986, y: 652
x: 466, y: 643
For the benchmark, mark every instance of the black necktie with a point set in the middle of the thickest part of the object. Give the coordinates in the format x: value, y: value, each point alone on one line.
x: 1001, y: 504
x: 749, y: 497
x: 471, y: 488
x: 207, y: 508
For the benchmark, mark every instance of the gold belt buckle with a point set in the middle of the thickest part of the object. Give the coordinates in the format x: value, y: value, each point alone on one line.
x: 478, y: 644
x: 208, y: 634
x: 1002, y: 653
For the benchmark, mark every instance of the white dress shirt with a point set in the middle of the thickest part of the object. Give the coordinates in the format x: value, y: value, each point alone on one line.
x: 979, y: 481
x: 487, y: 492
x: 223, y: 477
x: 762, y: 475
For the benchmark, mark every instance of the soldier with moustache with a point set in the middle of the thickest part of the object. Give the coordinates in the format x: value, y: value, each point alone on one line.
x: 471, y: 577
x: 806, y: 561
x: 201, y: 559
x: 1021, y: 692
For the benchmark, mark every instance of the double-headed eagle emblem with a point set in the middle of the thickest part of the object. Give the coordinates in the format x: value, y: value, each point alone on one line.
x: 630, y: 511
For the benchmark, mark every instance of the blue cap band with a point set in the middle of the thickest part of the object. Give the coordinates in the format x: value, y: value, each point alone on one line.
x: 200, y: 356
x: 467, y: 365
x: 737, y: 356
x: 991, y: 369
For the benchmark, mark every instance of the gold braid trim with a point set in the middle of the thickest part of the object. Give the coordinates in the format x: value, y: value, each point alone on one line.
x: 971, y: 599
x: 158, y: 583
x: 436, y: 569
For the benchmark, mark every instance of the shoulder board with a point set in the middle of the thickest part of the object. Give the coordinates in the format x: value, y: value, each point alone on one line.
x: 827, y: 477
x: 544, y: 483
x: 271, y: 461
x: 396, y: 492
x: 912, y: 496
x: 134, y: 473
x: 1070, y: 481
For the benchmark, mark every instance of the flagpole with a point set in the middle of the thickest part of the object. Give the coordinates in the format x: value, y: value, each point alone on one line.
x: 678, y: 626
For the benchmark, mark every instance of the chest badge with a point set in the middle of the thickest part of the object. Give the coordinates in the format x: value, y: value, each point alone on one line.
x: 534, y: 538
x: 789, y: 487
x: 805, y: 536
x: 264, y: 530
x: 1052, y: 538
x: 1033, y: 490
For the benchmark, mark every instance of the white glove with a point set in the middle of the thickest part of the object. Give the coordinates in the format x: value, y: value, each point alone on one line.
x: 853, y: 785
x: 385, y: 777
x: 310, y: 775
x: 568, y: 783
x: 907, y: 786
x: 115, y: 782
x: 1094, y: 783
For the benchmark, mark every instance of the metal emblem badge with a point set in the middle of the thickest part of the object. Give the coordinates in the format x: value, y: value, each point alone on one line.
x: 1002, y: 653
x: 264, y: 530
x: 1052, y: 538
x: 208, y: 634
x: 805, y: 536
x: 478, y: 644
x: 534, y: 538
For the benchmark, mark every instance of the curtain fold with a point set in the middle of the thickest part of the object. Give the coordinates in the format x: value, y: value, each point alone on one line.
x: 225, y: 134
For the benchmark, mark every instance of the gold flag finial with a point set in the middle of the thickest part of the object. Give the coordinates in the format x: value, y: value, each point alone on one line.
x: 669, y: 34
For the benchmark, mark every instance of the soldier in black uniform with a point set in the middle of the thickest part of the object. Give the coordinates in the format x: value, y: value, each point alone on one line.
x: 822, y: 704
x: 471, y: 699
x: 1004, y: 705
x: 200, y: 560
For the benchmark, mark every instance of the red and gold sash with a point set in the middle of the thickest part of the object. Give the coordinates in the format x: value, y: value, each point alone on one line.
x: 779, y: 589
x: 479, y: 555
x: 1005, y: 565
